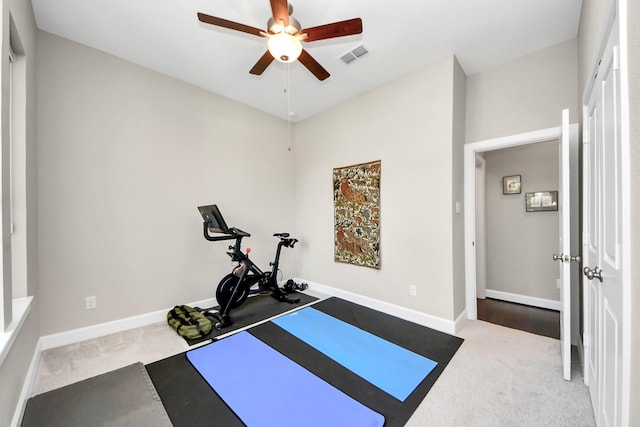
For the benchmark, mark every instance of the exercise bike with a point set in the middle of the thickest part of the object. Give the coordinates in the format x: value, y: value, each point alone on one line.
x: 235, y: 287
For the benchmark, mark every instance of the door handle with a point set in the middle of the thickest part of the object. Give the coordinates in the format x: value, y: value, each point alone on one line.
x: 566, y: 258
x: 591, y: 274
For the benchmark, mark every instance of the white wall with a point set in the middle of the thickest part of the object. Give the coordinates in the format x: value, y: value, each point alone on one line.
x: 520, y: 244
x: 408, y: 124
x: 125, y: 157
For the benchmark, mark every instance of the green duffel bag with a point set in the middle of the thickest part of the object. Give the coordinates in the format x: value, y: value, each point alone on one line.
x: 189, y: 322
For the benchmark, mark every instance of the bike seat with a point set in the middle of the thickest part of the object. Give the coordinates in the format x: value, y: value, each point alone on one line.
x: 281, y: 235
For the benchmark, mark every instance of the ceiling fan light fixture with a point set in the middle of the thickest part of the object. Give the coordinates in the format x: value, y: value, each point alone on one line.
x: 284, y: 47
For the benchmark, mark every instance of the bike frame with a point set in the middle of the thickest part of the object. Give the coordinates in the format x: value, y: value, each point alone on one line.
x: 248, y: 272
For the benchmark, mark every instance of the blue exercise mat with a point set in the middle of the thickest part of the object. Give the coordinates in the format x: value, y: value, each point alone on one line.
x: 391, y: 368
x: 265, y: 388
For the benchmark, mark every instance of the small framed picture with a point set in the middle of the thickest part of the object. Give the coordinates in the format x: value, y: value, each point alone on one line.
x: 542, y: 201
x: 511, y: 184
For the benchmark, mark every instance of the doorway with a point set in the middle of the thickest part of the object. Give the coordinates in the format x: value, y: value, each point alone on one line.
x: 471, y: 160
x: 514, y: 268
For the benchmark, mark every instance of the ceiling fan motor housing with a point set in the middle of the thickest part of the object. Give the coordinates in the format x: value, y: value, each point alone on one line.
x: 274, y: 27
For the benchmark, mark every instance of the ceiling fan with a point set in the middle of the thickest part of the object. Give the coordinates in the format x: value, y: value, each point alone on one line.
x: 284, y: 34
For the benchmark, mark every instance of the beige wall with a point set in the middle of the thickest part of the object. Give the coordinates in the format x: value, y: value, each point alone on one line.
x: 526, y: 94
x: 523, y: 95
x: 633, y: 55
x: 390, y: 123
x: 125, y: 157
x: 408, y: 125
x: 458, y: 139
x: 104, y: 164
x: 519, y: 243
x: 590, y: 31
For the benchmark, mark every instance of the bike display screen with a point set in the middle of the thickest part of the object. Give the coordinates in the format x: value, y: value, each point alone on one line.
x: 212, y: 215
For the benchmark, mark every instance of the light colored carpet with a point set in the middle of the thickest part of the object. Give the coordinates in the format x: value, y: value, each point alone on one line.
x: 75, y: 362
x: 505, y: 377
x: 498, y: 377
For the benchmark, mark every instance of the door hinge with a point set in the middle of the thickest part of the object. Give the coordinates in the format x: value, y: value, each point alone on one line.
x: 586, y: 341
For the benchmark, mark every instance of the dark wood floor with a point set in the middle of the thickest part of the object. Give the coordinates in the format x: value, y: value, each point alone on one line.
x: 536, y: 320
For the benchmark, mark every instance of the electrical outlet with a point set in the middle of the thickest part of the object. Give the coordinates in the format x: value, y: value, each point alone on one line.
x: 90, y: 303
x: 412, y: 290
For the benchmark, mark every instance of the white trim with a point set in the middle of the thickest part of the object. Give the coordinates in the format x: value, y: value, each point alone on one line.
x: 409, y: 314
x: 20, y: 309
x: 115, y: 326
x: 470, y: 151
x: 26, y: 386
x: 461, y: 320
x: 524, y: 299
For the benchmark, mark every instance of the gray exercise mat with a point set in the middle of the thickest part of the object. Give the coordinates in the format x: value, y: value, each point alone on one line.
x: 124, y: 397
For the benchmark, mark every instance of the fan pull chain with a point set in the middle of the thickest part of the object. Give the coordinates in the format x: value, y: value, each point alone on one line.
x: 288, y: 92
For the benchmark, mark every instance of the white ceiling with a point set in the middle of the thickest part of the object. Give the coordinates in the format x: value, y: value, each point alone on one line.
x: 400, y: 35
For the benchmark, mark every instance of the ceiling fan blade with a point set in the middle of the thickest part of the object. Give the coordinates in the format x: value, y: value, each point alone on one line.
x: 336, y: 29
x: 262, y: 64
x: 280, y: 11
x: 313, y: 65
x: 207, y: 19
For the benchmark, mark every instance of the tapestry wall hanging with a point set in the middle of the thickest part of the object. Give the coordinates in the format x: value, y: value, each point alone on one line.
x: 356, y: 202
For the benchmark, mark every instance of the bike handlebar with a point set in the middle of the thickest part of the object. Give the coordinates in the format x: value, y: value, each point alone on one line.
x: 289, y: 243
x: 237, y: 234
x: 234, y: 233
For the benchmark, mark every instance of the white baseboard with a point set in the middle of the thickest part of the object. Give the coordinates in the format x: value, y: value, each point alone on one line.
x: 95, y: 331
x: 115, y: 326
x: 523, y: 299
x: 411, y: 315
x: 460, y: 320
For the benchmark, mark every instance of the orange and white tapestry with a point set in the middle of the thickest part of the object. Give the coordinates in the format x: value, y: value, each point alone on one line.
x: 356, y: 200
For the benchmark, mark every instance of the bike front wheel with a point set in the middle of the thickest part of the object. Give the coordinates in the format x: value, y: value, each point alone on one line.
x: 225, y: 291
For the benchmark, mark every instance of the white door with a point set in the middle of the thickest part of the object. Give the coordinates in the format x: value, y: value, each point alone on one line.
x: 564, y: 214
x: 602, y: 239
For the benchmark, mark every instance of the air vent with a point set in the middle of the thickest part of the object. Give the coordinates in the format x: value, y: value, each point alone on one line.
x: 354, y: 54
